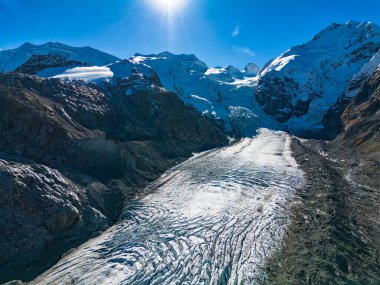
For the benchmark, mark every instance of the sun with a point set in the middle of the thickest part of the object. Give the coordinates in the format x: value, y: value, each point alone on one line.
x: 169, y: 6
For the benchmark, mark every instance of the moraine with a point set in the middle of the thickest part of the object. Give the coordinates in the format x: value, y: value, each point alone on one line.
x: 214, y: 219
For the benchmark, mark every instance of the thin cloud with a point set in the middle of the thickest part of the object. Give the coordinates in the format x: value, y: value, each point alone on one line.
x: 236, y: 32
x: 245, y: 50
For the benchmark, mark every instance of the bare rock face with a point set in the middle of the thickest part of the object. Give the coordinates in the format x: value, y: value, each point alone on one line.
x: 361, y: 118
x: 39, y: 205
x: 72, y: 153
x: 354, y: 121
x: 38, y: 63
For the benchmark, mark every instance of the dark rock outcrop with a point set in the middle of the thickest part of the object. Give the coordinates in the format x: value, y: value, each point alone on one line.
x: 40, y: 208
x: 38, y: 63
x: 361, y: 118
x: 355, y: 121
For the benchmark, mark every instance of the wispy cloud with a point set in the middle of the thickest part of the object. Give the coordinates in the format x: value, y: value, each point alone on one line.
x: 236, y: 31
x: 244, y: 50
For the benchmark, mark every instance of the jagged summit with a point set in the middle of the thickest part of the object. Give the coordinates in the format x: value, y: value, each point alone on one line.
x: 349, y: 32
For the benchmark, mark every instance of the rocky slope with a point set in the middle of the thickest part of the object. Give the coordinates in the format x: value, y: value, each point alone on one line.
x: 72, y: 152
x: 334, y: 237
x: 43, y: 214
x: 43, y: 65
x: 302, y: 84
x: 360, y: 135
x: 361, y: 118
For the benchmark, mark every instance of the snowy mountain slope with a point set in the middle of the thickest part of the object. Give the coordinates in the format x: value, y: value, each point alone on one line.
x: 223, y: 93
x: 365, y: 72
x: 302, y: 84
x: 13, y: 58
x: 296, y: 89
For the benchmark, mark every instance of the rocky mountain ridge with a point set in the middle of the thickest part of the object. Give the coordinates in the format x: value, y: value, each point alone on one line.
x: 71, y: 153
x: 297, y: 91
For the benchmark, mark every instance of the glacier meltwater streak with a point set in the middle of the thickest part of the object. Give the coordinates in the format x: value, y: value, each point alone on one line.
x: 213, y: 219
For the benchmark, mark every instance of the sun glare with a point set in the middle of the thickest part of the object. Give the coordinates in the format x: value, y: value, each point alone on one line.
x: 169, y: 5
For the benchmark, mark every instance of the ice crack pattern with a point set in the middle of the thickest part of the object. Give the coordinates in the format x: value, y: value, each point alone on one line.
x: 213, y: 219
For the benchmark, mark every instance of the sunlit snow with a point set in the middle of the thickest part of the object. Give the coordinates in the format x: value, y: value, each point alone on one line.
x: 86, y: 74
x: 213, y: 219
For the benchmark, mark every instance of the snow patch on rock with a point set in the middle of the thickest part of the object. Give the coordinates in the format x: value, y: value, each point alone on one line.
x: 86, y: 74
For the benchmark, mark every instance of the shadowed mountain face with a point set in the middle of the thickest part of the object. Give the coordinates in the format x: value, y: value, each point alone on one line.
x: 361, y: 118
x: 71, y: 153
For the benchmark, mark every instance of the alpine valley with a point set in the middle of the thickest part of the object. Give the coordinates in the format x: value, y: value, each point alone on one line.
x: 159, y: 169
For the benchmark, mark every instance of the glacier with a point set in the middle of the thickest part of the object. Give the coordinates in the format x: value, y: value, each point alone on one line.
x: 214, y: 219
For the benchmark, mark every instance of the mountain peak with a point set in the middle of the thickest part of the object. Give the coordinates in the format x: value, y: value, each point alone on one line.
x: 310, y: 78
x: 251, y: 70
x: 27, y: 45
x: 14, y: 58
x: 350, y: 27
x: 166, y: 54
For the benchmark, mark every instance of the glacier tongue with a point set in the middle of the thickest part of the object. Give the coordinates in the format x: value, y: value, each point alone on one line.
x: 214, y: 219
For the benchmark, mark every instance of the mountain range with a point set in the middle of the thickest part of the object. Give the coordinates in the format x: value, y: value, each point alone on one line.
x: 294, y: 91
x: 83, y: 130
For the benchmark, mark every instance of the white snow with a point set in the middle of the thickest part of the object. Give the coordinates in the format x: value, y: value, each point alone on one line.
x: 216, y: 89
x: 246, y: 82
x: 201, y: 99
x: 279, y: 63
x: 86, y: 74
x: 214, y: 70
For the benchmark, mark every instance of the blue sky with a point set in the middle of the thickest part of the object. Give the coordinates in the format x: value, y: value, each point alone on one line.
x: 219, y: 32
